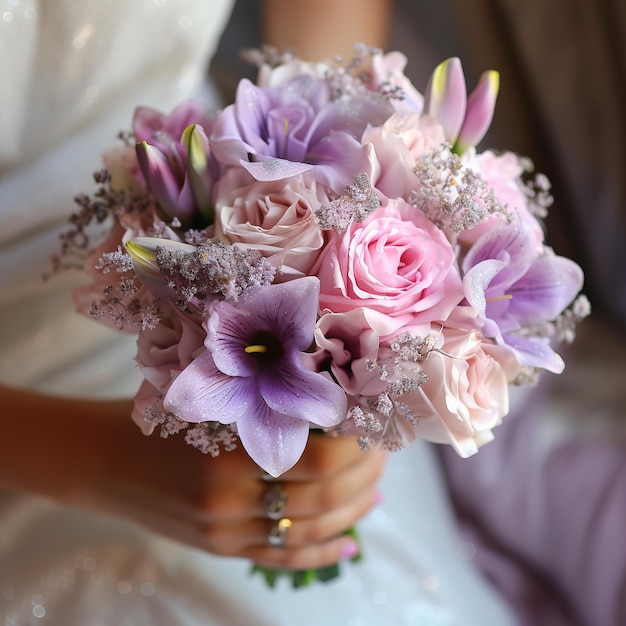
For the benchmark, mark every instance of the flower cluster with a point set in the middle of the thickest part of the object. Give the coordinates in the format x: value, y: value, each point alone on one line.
x: 330, y: 251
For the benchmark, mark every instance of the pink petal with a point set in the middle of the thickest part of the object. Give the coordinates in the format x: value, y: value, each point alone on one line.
x: 480, y: 107
x: 446, y: 97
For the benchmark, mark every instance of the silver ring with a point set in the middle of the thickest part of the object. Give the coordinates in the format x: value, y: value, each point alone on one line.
x: 275, y: 501
x: 277, y: 536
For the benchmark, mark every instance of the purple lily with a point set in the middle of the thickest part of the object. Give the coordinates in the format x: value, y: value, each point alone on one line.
x: 280, y: 132
x: 464, y: 120
x: 252, y: 374
x: 513, y: 288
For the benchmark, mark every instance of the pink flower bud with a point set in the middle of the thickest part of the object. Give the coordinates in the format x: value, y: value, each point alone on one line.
x: 446, y: 97
x: 480, y: 107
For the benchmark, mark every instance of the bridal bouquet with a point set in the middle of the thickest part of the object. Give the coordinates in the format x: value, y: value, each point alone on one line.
x: 332, y: 252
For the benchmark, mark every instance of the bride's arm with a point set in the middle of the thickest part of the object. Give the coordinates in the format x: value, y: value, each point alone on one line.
x: 89, y: 454
x: 318, y: 29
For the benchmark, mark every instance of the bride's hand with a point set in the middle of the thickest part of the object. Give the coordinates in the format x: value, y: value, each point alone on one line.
x: 217, y: 504
x: 91, y: 455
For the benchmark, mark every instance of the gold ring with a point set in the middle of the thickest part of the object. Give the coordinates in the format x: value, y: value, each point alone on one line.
x: 277, y: 536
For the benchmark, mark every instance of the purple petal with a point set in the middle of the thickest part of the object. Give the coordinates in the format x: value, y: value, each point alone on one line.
x: 159, y: 176
x: 550, y: 285
x: 535, y: 353
x: 506, y: 243
x: 288, y: 126
x: 201, y: 393
x: 250, y: 109
x: 148, y: 122
x: 288, y: 309
x: 348, y: 117
x: 300, y: 393
x: 338, y: 158
x: 229, y: 331
x: 275, y: 442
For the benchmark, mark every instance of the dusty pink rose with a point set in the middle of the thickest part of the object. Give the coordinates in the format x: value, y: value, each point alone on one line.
x: 162, y: 353
x: 503, y: 174
x: 277, y: 218
x: 347, y: 344
x: 397, y: 146
x: 396, y: 263
x: 467, y: 391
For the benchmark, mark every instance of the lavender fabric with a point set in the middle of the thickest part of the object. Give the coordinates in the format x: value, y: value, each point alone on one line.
x: 545, y: 510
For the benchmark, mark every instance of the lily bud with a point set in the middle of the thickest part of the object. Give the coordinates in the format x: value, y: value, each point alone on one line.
x: 142, y: 251
x: 197, y: 143
x: 446, y: 97
x: 480, y: 108
x: 159, y: 175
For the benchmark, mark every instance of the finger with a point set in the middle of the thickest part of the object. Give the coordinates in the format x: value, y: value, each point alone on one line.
x: 237, y: 538
x: 307, y: 557
x: 323, y: 457
x: 310, y: 498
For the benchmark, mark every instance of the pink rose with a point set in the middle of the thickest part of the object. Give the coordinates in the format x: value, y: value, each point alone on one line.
x: 467, y: 391
x: 347, y: 345
x: 397, y: 146
x: 162, y: 353
x: 396, y: 263
x: 276, y: 217
x: 503, y: 174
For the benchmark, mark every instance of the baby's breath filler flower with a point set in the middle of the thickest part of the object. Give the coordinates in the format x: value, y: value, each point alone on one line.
x: 451, y: 195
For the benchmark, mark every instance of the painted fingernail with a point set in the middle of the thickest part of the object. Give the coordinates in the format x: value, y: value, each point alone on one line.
x: 378, y: 497
x: 349, y: 549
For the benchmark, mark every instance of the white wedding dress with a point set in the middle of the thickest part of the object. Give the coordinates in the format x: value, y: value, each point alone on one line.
x: 72, y: 72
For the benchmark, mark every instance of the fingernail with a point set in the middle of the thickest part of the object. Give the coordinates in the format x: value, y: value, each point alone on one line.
x: 378, y: 497
x: 349, y: 549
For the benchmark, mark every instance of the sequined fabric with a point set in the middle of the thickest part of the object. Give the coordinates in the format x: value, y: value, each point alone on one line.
x: 72, y: 73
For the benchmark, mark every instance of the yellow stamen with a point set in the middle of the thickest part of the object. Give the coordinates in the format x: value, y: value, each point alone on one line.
x: 286, y: 127
x: 255, y: 349
x: 506, y: 296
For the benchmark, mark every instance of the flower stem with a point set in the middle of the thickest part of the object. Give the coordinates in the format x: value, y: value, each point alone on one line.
x: 303, y: 578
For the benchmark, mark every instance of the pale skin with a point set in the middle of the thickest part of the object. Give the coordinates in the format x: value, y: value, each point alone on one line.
x: 89, y: 454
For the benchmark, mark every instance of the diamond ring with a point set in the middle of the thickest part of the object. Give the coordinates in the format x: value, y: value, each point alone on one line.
x: 274, y: 501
